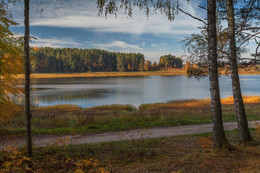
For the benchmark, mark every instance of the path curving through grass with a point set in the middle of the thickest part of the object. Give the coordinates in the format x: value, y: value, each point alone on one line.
x: 156, y: 132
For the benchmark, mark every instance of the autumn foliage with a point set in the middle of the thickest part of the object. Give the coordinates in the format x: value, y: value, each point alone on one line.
x: 205, y: 143
x: 10, y: 65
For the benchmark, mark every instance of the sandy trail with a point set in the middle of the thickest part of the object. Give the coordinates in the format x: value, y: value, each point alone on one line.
x: 156, y: 132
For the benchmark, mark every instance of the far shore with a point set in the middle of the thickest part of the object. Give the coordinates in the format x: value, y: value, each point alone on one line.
x: 106, y: 74
x: 121, y: 74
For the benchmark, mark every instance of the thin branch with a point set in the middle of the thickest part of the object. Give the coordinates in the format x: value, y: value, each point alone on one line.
x: 192, y: 16
x: 256, y: 36
x: 256, y: 52
x: 248, y: 39
x: 249, y: 59
x: 202, y: 7
x: 249, y: 9
x: 246, y: 29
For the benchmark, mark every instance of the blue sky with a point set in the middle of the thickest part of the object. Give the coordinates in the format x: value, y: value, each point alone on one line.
x: 75, y: 23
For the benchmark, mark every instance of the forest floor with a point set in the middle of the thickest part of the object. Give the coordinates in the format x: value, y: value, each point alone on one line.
x: 175, y: 154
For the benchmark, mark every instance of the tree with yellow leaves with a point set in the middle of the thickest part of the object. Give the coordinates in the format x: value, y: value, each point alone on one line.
x: 10, y: 64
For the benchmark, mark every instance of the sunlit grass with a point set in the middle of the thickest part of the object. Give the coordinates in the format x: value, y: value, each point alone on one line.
x: 246, y: 99
x: 106, y: 74
x: 74, y: 119
x: 124, y: 74
x: 59, y: 108
x: 112, y: 108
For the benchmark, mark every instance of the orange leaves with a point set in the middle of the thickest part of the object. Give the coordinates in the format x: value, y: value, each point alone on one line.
x: 205, y: 143
x: 35, y: 48
x: 10, y: 65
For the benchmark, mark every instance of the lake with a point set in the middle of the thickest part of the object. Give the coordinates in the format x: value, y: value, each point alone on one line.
x: 89, y: 92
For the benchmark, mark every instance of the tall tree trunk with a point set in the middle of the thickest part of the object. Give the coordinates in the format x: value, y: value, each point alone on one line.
x: 27, y: 77
x: 219, y: 138
x: 244, y: 133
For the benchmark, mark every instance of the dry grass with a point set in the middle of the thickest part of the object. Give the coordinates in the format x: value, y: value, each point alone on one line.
x: 67, y: 118
x: 169, y: 72
x: 107, y: 74
x: 111, y: 108
x: 65, y: 108
x: 197, y: 103
x: 247, y: 100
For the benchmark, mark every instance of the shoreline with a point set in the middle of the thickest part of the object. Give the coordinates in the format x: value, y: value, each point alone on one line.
x: 248, y: 99
x: 119, y: 74
x: 104, y: 74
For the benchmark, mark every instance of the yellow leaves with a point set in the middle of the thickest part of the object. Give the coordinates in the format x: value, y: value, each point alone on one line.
x: 15, y: 160
x: 78, y: 164
x: 10, y: 65
x: 79, y: 171
x: 88, y: 165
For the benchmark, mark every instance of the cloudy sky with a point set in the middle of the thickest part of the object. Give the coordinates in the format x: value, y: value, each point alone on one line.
x: 75, y: 23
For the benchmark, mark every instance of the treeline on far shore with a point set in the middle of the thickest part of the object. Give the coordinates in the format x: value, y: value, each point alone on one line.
x: 66, y: 60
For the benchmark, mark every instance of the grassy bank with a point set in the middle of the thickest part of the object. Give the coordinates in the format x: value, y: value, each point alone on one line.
x: 192, y: 153
x: 69, y: 119
x: 125, y: 74
x: 107, y: 74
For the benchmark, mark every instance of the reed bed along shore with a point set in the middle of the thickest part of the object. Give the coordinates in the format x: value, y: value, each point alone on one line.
x: 106, y: 74
x: 170, y: 72
x: 62, y: 119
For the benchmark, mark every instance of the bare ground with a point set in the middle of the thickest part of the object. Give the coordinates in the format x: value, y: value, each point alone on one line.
x: 157, y: 132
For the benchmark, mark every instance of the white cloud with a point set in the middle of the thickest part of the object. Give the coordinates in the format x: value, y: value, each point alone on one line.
x: 118, y: 44
x: 82, y: 14
x: 54, y: 42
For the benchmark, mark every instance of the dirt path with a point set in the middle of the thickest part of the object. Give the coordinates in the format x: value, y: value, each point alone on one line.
x: 43, y: 140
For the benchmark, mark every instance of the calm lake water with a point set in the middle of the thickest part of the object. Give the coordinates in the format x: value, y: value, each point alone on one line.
x: 89, y: 92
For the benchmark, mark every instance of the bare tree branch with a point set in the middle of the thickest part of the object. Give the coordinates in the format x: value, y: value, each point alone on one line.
x: 253, y: 35
x: 202, y: 7
x: 256, y: 50
x: 192, y: 16
x: 246, y: 29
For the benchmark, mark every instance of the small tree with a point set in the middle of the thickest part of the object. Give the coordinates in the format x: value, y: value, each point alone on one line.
x: 27, y: 78
x: 147, y: 65
x: 219, y: 137
x: 10, y: 65
x: 188, y: 67
x: 244, y: 133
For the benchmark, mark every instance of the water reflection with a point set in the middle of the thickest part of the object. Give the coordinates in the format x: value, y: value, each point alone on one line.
x: 88, y: 92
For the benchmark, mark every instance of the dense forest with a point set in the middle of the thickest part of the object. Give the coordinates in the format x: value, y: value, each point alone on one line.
x: 170, y: 61
x: 66, y: 60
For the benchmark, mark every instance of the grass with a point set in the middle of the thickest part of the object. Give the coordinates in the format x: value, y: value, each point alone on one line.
x: 107, y: 74
x: 168, y: 72
x: 67, y: 119
x: 179, y: 154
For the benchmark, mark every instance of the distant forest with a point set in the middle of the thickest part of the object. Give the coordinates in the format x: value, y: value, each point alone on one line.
x: 67, y: 60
